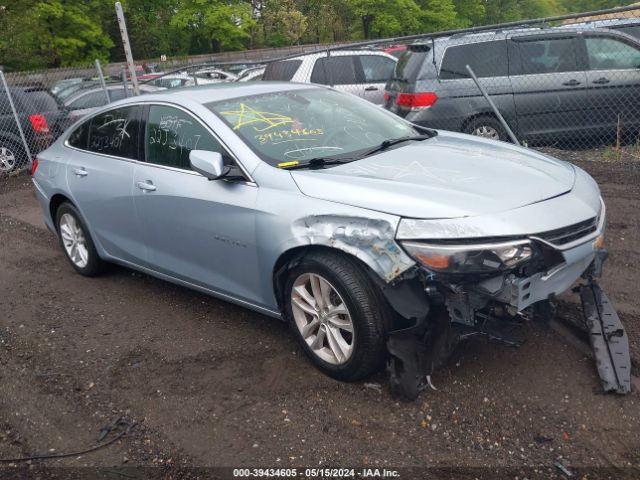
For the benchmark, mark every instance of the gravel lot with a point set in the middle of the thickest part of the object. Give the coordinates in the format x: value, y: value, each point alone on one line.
x: 213, y: 384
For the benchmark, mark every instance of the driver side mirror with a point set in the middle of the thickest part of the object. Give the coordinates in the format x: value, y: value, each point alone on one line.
x: 208, y: 164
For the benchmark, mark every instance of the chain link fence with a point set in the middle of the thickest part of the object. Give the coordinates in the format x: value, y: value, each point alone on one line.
x: 570, y: 82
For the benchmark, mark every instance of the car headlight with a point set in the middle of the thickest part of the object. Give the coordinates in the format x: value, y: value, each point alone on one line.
x: 485, y: 258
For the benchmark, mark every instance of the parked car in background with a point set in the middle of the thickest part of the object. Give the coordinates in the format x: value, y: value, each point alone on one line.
x: 361, y: 72
x: 548, y: 84
x: 85, y: 101
x: 201, y: 76
x: 66, y: 83
x: 64, y: 91
x: 42, y: 120
x: 395, y: 50
x: 251, y: 74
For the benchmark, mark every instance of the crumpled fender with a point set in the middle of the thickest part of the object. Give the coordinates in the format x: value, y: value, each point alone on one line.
x: 370, y: 240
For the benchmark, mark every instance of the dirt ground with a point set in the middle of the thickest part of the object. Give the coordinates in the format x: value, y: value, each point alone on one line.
x: 211, y: 384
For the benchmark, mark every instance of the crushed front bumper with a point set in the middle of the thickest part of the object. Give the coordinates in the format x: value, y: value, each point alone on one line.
x: 608, y: 339
x: 484, y: 307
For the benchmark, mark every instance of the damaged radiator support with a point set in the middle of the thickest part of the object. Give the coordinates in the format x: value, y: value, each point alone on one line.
x: 608, y: 339
x: 415, y: 352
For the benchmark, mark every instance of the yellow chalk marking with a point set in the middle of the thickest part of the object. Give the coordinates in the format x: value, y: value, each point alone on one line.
x: 247, y: 116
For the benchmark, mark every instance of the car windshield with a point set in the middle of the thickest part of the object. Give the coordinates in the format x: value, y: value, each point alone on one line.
x: 293, y: 127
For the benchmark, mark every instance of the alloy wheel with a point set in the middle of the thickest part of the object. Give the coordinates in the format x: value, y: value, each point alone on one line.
x: 74, y: 241
x: 7, y: 159
x: 486, y: 132
x: 322, y: 318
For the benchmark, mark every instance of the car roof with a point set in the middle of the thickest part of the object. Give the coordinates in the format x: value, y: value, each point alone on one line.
x: 221, y: 91
x: 515, y: 32
x: 323, y: 54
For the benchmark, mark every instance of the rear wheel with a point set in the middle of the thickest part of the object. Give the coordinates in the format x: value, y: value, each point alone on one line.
x: 76, y: 241
x: 338, y: 315
x: 487, y: 127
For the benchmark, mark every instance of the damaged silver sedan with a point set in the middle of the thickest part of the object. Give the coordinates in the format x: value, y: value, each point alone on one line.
x: 379, y: 241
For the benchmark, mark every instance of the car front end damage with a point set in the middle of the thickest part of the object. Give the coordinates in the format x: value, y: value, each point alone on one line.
x: 472, y: 284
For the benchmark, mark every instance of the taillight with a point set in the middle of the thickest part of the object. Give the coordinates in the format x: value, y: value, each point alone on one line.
x: 39, y: 123
x: 416, y: 100
x: 387, y: 97
x: 34, y: 166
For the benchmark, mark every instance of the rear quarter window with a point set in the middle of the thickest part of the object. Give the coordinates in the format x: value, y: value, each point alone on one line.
x: 80, y: 136
x: 487, y: 59
x: 284, y: 70
x: 410, y: 64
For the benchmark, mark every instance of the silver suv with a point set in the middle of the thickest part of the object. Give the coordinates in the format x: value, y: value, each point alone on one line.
x: 361, y: 72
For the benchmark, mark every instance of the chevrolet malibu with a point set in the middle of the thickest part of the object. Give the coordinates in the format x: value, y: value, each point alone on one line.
x: 378, y: 241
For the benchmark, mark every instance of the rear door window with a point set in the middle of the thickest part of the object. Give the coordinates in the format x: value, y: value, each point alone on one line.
x: 116, y: 132
x: 611, y: 54
x: 335, y: 70
x: 487, y: 59
x: 172, y: 133
x: 551, y: 55
x: 376, y: 68
x: 284, y: 70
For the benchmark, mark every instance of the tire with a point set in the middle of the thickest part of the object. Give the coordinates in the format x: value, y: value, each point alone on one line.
x: 486, y: 126
x: 367, y: 313
x: 72, y: 230
x: 12, y: 156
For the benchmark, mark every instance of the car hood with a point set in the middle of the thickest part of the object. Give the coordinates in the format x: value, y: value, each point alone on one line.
x: 448, y: 176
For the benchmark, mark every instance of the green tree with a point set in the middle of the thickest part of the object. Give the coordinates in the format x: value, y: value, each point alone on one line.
x: 283, y: 23
x: 51, y: 33
x: 470, y: 12
x: 217, y: 24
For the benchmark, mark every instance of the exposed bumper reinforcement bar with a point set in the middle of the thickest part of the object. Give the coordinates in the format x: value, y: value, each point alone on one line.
x: 608, y: 339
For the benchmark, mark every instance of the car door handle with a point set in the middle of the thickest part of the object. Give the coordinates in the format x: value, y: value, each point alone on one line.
x: 601, y: 81
x: 146, y: 186
x: 371, y: 89
x: 571, y: 83
x: 80, y: 172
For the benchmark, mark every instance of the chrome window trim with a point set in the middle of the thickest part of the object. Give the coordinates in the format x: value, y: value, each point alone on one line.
x: 251, y: 180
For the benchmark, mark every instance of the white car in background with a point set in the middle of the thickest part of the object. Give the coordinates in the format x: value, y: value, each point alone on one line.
x: 251, y: 74
x: 204, y: 76
x: 361, y: 72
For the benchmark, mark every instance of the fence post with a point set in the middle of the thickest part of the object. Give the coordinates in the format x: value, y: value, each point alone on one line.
x: 101, y: 77
x: 16, y: 117
x: 493, y: 106
x: 125, y: 83
x: 330, y: 70
x: 127, y: 48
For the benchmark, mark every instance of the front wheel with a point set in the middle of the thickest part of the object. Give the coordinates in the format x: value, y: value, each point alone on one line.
x: 338, y: 315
